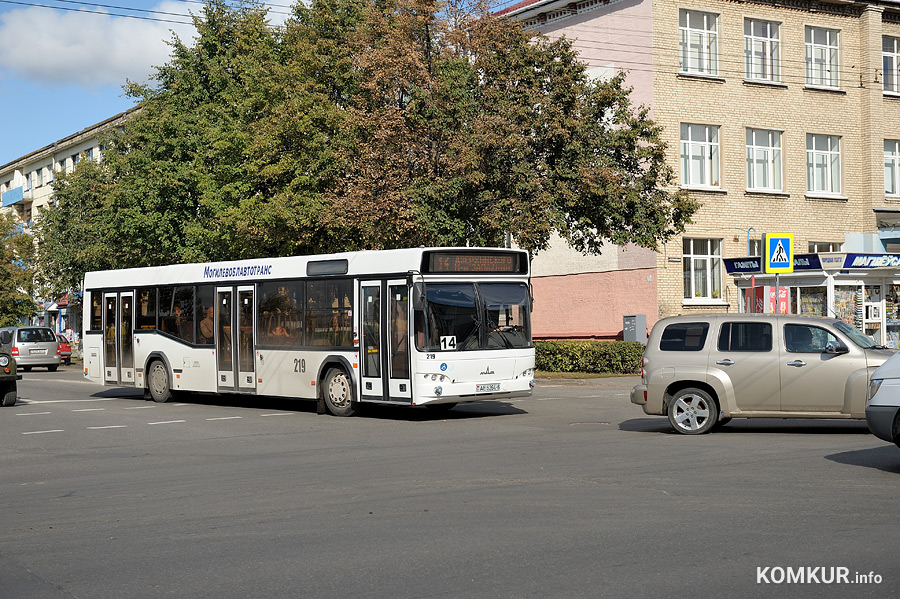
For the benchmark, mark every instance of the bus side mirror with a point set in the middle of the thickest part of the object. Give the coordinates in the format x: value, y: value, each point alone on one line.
x: 418, y: 296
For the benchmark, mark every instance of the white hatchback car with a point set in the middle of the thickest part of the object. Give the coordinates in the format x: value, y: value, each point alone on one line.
x: 883, y: 407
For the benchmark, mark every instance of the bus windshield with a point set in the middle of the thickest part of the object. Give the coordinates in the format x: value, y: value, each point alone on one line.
x: 473, y: 316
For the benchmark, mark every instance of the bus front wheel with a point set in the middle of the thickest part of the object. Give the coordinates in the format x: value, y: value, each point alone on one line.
x: 338, y: 394
x: 158, y: 382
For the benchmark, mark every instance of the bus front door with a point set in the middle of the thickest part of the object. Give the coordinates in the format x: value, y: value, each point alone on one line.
x: 235, y: 350
x: 118, y: 338
x: 384, y: 350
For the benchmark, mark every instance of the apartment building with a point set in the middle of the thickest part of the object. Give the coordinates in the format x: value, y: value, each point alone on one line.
x: 26, y: 189
x: 779, y: 116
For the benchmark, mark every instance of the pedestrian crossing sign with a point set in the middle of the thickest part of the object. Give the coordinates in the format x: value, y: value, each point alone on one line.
x: 779, y: 249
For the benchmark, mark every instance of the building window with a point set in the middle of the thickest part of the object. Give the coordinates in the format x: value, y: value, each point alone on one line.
x: 699, y: 155
x: 890, y: 48
x: 822, y: 57
x: 698, y: 46
x: 821, y: 247
x: 823, y: 163
x: 761, y: 50
x: 892, y: 167
x: 763, y: 160
x: 702, y: 268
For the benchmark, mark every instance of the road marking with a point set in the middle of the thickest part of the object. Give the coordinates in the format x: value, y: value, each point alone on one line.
x: 32, y: 413
x: 42, y: 432
x: 48, y: 401
x: 141, y: 408
x: 167, y: 422
x: 278, y: 414
x: 97, y: 428
x: 90, y: 410
x: 227, y: 418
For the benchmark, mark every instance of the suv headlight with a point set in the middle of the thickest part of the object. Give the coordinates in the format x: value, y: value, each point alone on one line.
x: 4, y: 360
x: 874, y: 385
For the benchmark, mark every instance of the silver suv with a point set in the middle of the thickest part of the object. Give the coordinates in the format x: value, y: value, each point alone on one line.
x: 35, y: 346
x: 704, y: 370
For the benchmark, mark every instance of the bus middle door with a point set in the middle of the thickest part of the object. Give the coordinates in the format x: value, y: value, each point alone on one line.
x: 235, y: 349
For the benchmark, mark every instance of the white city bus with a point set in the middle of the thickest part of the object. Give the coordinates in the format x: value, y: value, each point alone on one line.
x: 424, y: 326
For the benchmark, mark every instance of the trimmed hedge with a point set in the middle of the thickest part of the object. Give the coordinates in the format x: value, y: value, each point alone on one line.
x: 604, y: 357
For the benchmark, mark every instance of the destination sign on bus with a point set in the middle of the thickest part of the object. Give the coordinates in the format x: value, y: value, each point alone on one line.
x: 459, y: 262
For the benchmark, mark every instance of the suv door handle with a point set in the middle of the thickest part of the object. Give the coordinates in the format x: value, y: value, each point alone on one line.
x: 797, y: 363
x: 725, y: 362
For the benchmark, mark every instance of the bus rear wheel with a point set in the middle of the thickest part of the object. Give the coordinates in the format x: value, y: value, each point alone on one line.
x: 338, y: 394
x: 158, y: 382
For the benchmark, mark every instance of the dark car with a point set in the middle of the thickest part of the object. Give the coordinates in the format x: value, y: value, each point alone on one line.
x: 8, y: 375
x: 65, y: 349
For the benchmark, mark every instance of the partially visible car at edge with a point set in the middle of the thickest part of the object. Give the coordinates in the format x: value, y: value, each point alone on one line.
x: 65, y: 349
x: 703, y: 370
x: 8, y: 374
x: 883, y: 407
x: 34, y: 346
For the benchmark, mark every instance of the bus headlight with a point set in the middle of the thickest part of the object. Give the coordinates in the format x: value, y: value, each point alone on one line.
x: 874, y: 385
x: 531, y: 383
x: 438, y: 390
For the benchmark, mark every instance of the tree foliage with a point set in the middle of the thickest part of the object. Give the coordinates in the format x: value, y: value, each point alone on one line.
x: 16, y: 278
x: 364, y: 124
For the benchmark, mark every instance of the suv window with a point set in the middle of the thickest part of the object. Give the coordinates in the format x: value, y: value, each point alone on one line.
x: 746, y: 336
x: 801, y: 338
x: 684, y: 336
x: 36, y: 336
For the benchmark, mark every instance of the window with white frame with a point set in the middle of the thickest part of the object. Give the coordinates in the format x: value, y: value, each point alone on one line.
x: 762, y: 51
x: 823, y: 163
x: 763, y: 160
x: 892, y: 167
x: 699, y: 155
x: 702, y: 268
x: 822, y: 57
x: 698, y: 44
x: 890, y: 62
x: 821, y: 247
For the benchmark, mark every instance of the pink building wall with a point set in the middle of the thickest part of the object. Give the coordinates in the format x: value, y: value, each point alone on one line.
x: 591, y: 305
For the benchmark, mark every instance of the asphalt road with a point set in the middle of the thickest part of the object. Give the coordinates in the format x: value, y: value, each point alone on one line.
x: 570, y: 493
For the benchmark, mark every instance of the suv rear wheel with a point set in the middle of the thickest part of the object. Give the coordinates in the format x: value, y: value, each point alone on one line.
x: 693, y: 411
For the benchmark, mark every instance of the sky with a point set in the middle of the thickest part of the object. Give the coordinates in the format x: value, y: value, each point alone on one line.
x: 63, y: 62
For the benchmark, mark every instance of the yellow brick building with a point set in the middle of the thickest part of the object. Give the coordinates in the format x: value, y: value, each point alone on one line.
x: 779, y: 116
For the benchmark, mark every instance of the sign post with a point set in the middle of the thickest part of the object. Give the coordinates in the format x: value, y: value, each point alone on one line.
x: 779, y: 254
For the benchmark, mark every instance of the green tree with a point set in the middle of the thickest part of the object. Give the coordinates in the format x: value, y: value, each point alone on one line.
x: 16, y: 273
x: 364, y: 124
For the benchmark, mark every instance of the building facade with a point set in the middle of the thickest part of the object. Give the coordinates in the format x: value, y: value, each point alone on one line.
x: 778, y: 116
x: 26, y: 189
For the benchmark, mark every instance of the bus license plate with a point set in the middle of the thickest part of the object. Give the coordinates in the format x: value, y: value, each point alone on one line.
x: 486, y: 387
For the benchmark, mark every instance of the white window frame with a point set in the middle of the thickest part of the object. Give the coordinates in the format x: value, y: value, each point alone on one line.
x: 823, y: 58
x: 764, y: 160
x: 702, y: 269
x: 826, y: 160
x: 823, y: 247
x: 698, y: 42
x: 762, y: 50
x: 700, y: 148
x: 890, y: 63
x: 892, y: 167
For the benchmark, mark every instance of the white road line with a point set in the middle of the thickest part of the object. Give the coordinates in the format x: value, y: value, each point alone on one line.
x: 90, y: 410
x: 97, y: 428
x: 42, y: 432
x: 167, y: 422
x: 278, y: 414
x: 227, y: 418
x: 32, y: 413
x: 141, y: 408
x: 48, y: 401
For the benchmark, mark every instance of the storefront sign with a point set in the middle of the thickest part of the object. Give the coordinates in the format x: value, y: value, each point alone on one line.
x: 868, y: 261
x: 754, y: 264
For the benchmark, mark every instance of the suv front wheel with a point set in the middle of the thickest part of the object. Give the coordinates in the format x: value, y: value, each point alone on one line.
x: 693, y: 412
